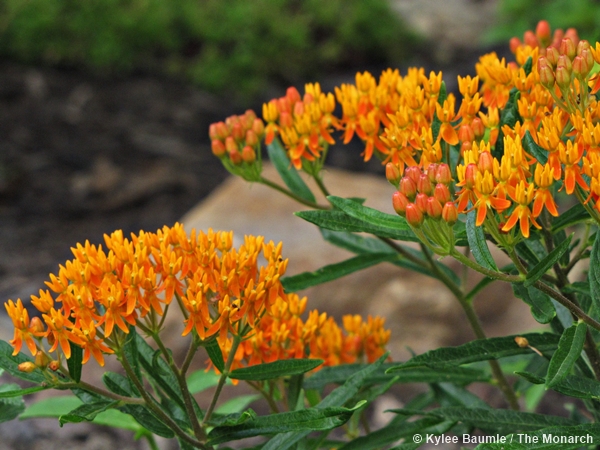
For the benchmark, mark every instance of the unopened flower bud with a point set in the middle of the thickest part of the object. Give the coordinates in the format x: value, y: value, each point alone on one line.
x: 399, y: 202
x: 465, y: 146
x: 424, y: 185
x: 486, y: 162
x: 530, y: 39
x: 212, y: 132
x: 514, y: 44
x: 421, y: 202
x: 546, y: 73
x: 235, y: 157
x: 298, y: 109
x: 230, y: 144
x: 563, y: 77
x: 221, y: 130
x: 26, y: 367
x: 258, y: 127
x: 413, y: 172
x: 54, y: 365
x: 41, y: 359
x: 392, y: 173
x: 217, y: 147
x: 434, y: 208
x: 586, y: 53
x: 248, y: 118
x: 285, y: 120
x: 580, y: 67
x: 564, y: 60
x: 293, y: 95
x: 466, y: 133
x: 431, y: 171
x: 251, y: 138
x: 443, y: 174
x: 442, y: 193
x: 450, y: 213
x: 408, y: 187
x: 568, y: 48
x: 248, y: 154
x: 552, y: 55
x: 571, y: 33
x: 542, y: 32
x: 470, y: 173
x: 237, y: 131
x: 478, y: 128
x: 522, y: 341
x: 413, y: 216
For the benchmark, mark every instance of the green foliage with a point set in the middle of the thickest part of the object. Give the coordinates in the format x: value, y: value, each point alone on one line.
x: 514, y: 16
x: 235, y: 45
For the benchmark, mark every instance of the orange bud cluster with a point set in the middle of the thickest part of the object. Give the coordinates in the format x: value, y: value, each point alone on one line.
x: 222, y: 291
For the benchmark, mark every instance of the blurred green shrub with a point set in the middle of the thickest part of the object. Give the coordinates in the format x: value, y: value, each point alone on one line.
x: 514, y: 16
x: 219, y: 44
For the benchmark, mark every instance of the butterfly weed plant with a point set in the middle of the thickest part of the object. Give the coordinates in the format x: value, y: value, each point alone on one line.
x: 513, y: 162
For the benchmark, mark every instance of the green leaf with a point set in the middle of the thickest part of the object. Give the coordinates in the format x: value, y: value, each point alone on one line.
x: 478, y: 243
x: 480, y: 350
x: 22, y: 392
x: 201, y: 380
x: 571, y: 385
x: 551, y: 438
x: 334, y: 271
x: 287, y: 172
x: 369, y: 215
x: 10, y: 407
x: 74, y: 362
x: 449, y: 394
x: 277, y: 369
x: 570, y: 217
x: 533, y: 149
x: 568, y: 351
x: 11, y: 363
x: 340, y: 221
x: 215, y: 354
x: 528, y: 66
x: 131, y: 353
x: 542, y: 308
x: 311, y: 419
x: 496, y: 419
x: 594, y: 273
x: 338, y: 397
x: 237, y: 404
x: 86, y: 412
x: 540, y: 269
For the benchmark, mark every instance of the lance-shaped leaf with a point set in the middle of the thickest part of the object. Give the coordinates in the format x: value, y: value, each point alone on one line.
x: 334, y: 271
x: 287, y: 172
x: 481, y: 350
x: 369, y: 215
x: 277, y: 369
x: 568, y: 351
x: 215, y: 354
x: 571, y: 385
x: 551, y: 438
x: 10, y: 407
x: 542, y: 267
x: 340, y: 221
x: 542, y: 308
x: 86, y: 412
x: 494, y: 419
x: 312, y: 419
x: 594, y: 273
x: 11, y: 363
x: 21, y: 392
x: 478, y: 243
x: 533, y: 149
x: 74, y: 363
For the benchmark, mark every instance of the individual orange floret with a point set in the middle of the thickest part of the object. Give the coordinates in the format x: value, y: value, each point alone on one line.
x: 523, y: 196
x: 543, y: 196
x: 25, y: 330
x: 446, y: 115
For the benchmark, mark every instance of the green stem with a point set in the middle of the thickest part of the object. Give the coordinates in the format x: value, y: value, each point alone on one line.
x: 267, y: 397
x: 151, y: 442
x: 467, y: 307
x: 484, y: 270
x: 291, y: 194
x: 96, y: 390
x: 226, y: 370
x: 322, y: 187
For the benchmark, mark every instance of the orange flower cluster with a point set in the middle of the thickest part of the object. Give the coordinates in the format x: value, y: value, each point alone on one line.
x: 222, y: 291
x: 549, y: 131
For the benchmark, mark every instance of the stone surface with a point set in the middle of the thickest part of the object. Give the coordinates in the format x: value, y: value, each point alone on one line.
x: 420, y: 311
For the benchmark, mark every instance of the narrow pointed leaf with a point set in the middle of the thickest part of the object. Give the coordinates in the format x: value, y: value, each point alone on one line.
x: 542, y: 308
x: 131, y: 352
x: 540, y: 269
x: 287, y: 172
x: 568, y: 351
x: 480, y: 350
x: 533, y: 149
x: 571, y: 385
x: 21, y: 392
x: 551, y: 438
x: 10, y: 407
x: 334, y: 271
x: 478, y: 243
x: 11, y: 363
x: 74, y: 363
x: 340, y: 221
x: 86, y: 412
x: 215, y: 354
x: 369, y: 215
x: 312, y: 419
x: 594, y: 273
x: 277, y: 369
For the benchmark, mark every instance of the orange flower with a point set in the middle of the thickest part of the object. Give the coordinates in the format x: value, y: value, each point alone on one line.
x: 523, y: 196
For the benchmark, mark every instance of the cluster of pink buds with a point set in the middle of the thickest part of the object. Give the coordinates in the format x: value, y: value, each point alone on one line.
x: 237, y: 138
x: 424, y: 194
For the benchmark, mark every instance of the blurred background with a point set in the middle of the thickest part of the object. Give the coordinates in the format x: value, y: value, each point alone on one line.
x: 105, y: 104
